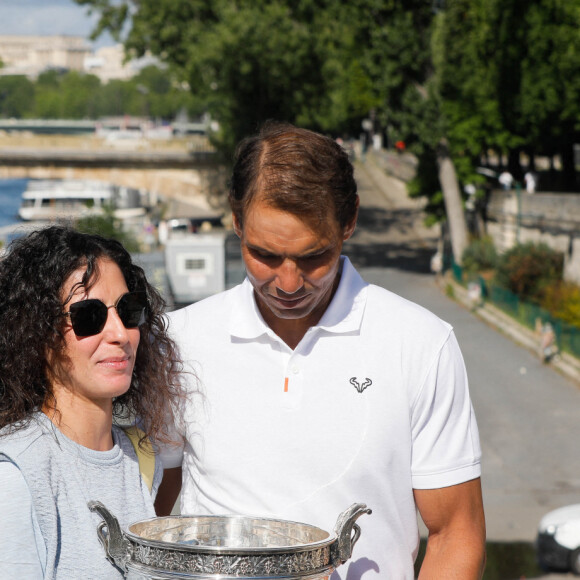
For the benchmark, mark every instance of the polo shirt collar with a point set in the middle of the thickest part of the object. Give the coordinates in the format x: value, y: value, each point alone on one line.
x: 344, y: 313
x: 246, y: 321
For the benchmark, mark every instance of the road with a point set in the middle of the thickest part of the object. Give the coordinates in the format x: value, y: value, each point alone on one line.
x: 528, y: 414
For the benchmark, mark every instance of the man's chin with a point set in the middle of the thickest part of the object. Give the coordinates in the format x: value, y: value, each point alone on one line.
x: 286, y: 311
x: 289, y: 313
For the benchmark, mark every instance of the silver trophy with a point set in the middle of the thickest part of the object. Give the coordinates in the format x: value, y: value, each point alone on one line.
x: 227, y: 547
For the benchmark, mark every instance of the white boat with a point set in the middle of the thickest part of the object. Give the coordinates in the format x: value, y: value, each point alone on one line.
x: 53, y: 199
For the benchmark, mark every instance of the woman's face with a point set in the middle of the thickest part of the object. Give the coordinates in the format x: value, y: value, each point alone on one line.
x: 95, y: 369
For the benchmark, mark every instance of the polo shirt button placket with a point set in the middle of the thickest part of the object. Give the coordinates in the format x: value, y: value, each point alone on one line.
x: 292, y: 386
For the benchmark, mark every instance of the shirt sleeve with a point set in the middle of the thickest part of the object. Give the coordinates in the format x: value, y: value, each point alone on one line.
x: 171, y: 454
x: 446, y: 449
x: 22, y: 548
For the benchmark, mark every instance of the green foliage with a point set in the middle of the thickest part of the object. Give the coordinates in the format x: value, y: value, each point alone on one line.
x: 16, y: 96
x: 505, y: 74
x: 480, y: 255
x: 528, y: 269
x: 156, y: 92
x: 426, y: 183
x: 484, y: 74
x: 393, y: 38
x: 108, y: 226
x: 153, y: 92
x: 317, y: 63
x: 511, y: 560
x: 562, y: 300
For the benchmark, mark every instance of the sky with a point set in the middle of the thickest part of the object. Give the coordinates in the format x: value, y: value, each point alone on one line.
x: 47, y: 18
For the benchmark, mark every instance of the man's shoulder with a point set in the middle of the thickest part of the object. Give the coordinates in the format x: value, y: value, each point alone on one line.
x: 207, y: 313
x: 382, y: 304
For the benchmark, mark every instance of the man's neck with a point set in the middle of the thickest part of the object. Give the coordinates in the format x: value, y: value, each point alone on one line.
x: 290, y: 331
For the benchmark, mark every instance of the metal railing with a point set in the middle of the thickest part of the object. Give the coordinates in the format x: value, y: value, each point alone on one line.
x: 526, y: 313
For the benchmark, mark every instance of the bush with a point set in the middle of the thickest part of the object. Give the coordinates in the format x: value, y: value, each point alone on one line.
x: 108, y: 226
x: 480, y: 255
x: 528, y: 269
x: 562, y: 301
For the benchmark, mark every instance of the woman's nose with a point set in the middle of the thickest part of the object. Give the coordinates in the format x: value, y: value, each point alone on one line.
x: 114, y: 329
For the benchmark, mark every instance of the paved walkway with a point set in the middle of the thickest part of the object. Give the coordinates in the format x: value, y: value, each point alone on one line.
x: 564, y: 363
x: 390, y: 229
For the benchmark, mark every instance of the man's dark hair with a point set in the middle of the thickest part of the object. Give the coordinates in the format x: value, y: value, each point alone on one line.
x: 294, y: 170
x: 33, y: 272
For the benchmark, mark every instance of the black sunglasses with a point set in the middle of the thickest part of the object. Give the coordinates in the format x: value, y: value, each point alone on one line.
x: 88, y: 317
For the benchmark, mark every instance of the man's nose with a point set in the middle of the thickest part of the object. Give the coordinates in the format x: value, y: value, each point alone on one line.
x: 289, y: 277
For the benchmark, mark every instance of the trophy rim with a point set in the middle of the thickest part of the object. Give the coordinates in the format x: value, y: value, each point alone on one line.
x: 201, y: 548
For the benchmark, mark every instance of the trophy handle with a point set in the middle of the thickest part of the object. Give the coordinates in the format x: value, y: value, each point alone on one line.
x: 117, y: 547
x: 341, y: 550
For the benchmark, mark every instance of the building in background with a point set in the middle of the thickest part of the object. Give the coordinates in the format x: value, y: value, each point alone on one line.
x: 109, y: 63
x: 31, y: 55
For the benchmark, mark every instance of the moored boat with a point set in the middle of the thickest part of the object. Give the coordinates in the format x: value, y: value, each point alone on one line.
x: 48, y: 200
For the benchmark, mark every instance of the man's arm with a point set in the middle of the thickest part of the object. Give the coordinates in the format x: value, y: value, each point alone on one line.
x: 169, y: 490
x: 456, y: 523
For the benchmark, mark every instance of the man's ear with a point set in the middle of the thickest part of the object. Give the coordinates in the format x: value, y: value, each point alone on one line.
x: 350, y: 226
x: 237, y: 226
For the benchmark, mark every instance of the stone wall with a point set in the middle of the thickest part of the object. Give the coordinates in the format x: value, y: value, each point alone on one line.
x: 552, y: 218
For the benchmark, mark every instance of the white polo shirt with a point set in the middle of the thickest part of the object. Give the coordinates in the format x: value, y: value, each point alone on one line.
x: 372, y: 403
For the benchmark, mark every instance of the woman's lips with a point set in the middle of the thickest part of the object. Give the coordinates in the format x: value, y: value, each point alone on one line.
x: 120, y: 363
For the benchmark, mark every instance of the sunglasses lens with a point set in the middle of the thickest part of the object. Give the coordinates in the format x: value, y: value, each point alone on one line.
x: 88, y: 317
x: 131, y: 309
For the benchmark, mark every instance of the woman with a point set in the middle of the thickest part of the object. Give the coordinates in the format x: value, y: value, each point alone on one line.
x: 82, y: 343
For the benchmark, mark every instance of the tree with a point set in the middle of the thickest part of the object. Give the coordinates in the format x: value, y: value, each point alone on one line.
x: 528, y: 270
x: 70, y: 94
x: 399, y: 54
x: 79, y: 95
x: 323, y: 64
x: 474, y: 76
x: 394, y: 40
x: 507, y: 81
x: 47, y: 95
x: 252, y: 60
x: 157, y: 92
x: 67, y: 95
x: 16, y: 96
x: 108, y: 226
x: 117, y: 98
x: 550, y: 85
x: 491, y: 89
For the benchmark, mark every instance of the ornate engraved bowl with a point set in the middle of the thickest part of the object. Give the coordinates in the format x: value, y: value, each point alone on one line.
x: 224, y: 547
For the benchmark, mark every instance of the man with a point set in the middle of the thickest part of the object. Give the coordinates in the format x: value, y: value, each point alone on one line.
x: 318, y: 390
x: 506, y: 180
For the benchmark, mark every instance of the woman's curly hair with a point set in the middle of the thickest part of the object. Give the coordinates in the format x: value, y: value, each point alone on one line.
x: 33, y: 271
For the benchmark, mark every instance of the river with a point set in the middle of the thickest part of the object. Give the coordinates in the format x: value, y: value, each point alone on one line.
x: 10, y: 197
